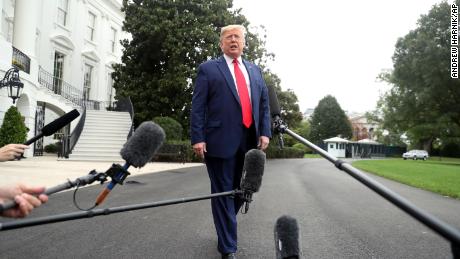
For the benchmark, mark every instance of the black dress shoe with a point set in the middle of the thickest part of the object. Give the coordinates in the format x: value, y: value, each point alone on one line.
x: 229, y: 256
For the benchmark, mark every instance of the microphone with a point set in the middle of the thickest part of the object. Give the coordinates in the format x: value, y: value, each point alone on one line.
x: 277, y: 123
x: 273, y: 101
x: 253, y: 170
x: 287, y: 238
x: 137, y: 151
x: 55, y: 125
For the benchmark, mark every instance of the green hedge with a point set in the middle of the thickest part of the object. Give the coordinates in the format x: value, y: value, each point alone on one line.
x: 176, y: 151
x: 181, y: 151
x: 287, y: 152
x: 302, y: 147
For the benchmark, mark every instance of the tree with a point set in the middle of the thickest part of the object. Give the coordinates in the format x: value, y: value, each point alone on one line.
x: 423, y: 99
x: 303, y: 129
x: 287, y: 100
x: 384, y: 136
x: 170, y: 38
x: 329, y: 120
x: 13, y: 129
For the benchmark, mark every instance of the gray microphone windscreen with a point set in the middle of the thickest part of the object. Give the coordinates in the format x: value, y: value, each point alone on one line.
x: 287, y: 238
x: 253, y: 170
x: 142, y: 145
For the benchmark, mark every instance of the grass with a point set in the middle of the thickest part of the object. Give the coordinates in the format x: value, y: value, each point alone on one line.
x: 311, y: 156
x: 440, y: 175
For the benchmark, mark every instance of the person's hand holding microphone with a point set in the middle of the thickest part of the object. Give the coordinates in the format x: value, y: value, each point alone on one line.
x: 24, y: 196
x: 11, y: 151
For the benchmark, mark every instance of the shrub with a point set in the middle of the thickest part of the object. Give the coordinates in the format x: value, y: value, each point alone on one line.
x: 172, y: 128
x: 302, y: 147
x: 181, y: 151
x: 176, y: 151
x: 287, y: 152
x: 13, y: 129
x: 288, y: 140
x: 51, y: 148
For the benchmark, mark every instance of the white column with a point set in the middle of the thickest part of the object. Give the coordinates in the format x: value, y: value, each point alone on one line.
x: 25, y: 26
x: 26, y: 21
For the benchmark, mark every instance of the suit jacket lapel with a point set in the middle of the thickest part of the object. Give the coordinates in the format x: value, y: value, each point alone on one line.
x: 223, y: 67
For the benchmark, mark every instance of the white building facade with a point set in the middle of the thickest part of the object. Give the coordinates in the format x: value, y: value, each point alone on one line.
x: 362, y: 128
x: 65, y: 50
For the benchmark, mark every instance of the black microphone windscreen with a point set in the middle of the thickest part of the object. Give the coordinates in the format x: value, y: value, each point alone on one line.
x: 142, y: 145
x: 273, y: 100
x: 287, y: 238
x: 60, y: 122
x: 253, y: 170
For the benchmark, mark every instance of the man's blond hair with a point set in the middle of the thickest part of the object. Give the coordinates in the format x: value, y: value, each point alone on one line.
x: 232, y: 27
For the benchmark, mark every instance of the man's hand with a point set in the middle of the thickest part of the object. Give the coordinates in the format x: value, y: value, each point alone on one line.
x: 200, y: 149
x: 263, y: 143
x: 24, y: 197
x: 11, y: 151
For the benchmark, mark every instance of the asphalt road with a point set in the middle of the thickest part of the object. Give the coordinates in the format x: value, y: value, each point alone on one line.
x: 338, y: 216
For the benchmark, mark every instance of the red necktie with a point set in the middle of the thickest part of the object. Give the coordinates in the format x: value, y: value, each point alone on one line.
x: 244, y: 95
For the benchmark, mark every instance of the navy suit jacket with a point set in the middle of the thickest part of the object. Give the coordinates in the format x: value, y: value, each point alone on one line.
x: 216, y: 111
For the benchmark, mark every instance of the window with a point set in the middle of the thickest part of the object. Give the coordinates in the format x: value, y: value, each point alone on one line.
x: 87, y: 81
x: 62, y: 12
x: 58, y: 72
x: 113, y: 39
x: 331, y: 146
x: 91, y: 26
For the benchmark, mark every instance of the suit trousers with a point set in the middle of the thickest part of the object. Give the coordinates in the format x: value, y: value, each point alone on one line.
x: 225, y: 175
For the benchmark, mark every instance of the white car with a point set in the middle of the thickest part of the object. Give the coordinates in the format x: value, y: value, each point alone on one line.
x: 416, y: 154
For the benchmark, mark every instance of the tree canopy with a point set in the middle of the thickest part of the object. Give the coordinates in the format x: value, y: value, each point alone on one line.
x: 290, y: 111
x: 169, y: 39
x: 423, y: 101
x: 329, y: 120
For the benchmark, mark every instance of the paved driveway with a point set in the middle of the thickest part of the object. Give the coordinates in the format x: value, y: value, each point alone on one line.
x: 338, y: 216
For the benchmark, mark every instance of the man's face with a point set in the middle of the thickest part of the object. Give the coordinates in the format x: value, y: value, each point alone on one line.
x: 232, y: 43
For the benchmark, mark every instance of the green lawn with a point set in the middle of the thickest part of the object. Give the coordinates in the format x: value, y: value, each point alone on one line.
x: 435, y: 174
x: 311, y: 156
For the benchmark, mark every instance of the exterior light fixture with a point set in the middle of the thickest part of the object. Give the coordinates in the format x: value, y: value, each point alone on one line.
x: 13, y: 83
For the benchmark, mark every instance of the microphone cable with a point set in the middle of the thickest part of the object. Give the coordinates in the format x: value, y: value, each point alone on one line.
x: 76, y: 203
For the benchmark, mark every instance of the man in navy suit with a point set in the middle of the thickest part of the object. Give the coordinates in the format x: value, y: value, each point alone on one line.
x: 230, y: 115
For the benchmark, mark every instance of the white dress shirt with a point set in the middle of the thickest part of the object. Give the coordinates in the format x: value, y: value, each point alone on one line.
x: 242, y: 67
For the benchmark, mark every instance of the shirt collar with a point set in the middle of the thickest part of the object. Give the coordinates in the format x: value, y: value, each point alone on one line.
x: 229, y: 60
